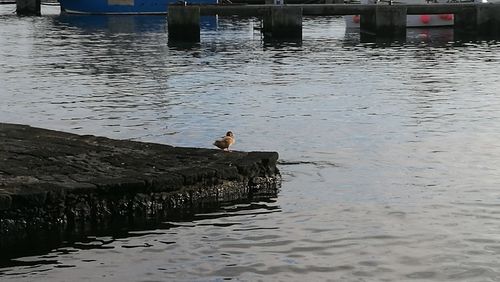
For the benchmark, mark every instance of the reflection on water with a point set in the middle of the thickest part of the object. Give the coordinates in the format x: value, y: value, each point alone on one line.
x: 111, y: 24
x: 106, y: 238
x: 123, y: 24
x: 389, y: 150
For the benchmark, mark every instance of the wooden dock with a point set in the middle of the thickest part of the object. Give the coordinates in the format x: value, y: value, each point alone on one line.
x: 376, y: 20
x: 337, y: 9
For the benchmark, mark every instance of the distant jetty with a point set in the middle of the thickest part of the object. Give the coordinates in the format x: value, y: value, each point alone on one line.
x: 51, y: 180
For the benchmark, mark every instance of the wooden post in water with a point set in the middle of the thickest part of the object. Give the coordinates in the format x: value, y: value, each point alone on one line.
x: 183, y: 23
x: 386, y: 21
x: 28, y: 7
x: 481, y: 20
x: 283, y: 22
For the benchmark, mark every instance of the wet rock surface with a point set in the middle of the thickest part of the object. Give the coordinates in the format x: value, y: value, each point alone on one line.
x: 52, y: 180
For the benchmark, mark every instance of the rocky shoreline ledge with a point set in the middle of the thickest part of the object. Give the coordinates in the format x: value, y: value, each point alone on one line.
x: 51, y: 180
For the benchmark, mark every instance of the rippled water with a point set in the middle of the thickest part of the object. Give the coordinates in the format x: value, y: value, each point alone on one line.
x: 390, y: 152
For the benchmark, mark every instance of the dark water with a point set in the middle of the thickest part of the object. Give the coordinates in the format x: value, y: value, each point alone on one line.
x: 390, y: 153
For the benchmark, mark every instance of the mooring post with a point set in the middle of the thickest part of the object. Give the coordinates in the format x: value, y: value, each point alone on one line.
x: 183, y: 23
x: 483, y: 20
x: 385, y: 21
x: 28, y: 7
x: 283, y: 22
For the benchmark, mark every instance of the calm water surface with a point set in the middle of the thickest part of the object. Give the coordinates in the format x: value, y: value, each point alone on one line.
x: 390, y: 153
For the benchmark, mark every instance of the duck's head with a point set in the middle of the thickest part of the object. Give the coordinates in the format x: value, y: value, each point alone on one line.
x: 230, y: 134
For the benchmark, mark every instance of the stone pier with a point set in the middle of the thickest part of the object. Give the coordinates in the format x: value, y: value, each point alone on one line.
x: 53, y: 181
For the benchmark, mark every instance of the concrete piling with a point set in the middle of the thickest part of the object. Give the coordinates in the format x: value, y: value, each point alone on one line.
x: 385, y: 21
x: 488, y: 20
x: 479, y: 20
x: 28, y: 7
x: 283, y: 22
x: 465, y: 21
x: 183, y: 23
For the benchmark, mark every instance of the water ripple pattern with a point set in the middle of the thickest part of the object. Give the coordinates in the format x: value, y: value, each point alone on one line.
x: 390, y: 153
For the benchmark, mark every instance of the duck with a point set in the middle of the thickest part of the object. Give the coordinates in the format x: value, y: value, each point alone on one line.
x: 225, y: 142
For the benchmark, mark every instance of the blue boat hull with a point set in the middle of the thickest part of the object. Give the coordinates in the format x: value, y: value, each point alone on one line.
x: 121, y: 6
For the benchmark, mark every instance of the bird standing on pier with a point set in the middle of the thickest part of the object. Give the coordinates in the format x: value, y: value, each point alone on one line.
x: 225, y: 142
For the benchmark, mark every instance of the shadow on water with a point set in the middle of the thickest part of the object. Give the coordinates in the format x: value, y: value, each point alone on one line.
x: 184, y: 45
x: 275, y: 43
x: 98, y: 236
